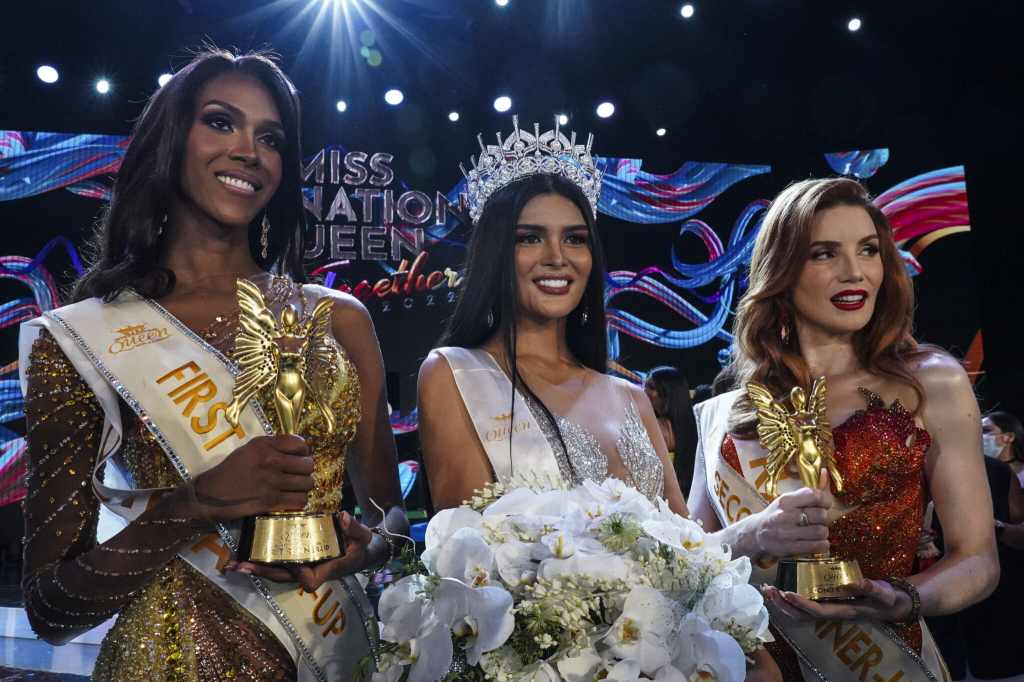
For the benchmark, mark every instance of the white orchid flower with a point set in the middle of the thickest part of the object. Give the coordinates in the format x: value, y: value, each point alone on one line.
x: 740, y: 605
x: 403, y: 608
x: 515, y: 563
x: 676, y: 531
x: 410, y: 616
x: 559, y: 544
x: 444, y: 524
x: 614, y: 496
x: 490, y: 621
x: 645, y: 632
x: 541, y: 671
x: 706, y: 653
x: 627, y: 670
x: 465, y: 556
x: 670, y: 674
x: 431, y: 654
x: 580, y: 668
x: 603, y: 565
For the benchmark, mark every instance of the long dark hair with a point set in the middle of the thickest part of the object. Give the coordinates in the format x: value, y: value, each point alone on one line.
x: 489, y: 303
x: 675, y: 405
x: 125, y: 249
x: 1007, y: 423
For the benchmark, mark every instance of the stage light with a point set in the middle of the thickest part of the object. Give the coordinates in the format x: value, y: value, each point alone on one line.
x: 563, y: 119
x: 503, y: 104
x: 47, y: 74
x: 500, y: 3
x: 453, y: 116
x: 103, y: 86
x: 394, y: 97
x: 341, y: 106
x: 162, y: 80
x: 660, y: 132
x: 686, y: 11
x: 605, y: 109
x: 854, y: 24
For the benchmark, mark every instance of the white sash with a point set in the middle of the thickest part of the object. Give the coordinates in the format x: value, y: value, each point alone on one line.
x: 179, y: 386
x: 487, y: 393
x: 847, y: 651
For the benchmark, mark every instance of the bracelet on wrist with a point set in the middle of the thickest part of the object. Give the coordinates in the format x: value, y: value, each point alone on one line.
x: 387, y: 537
x: 907, y: 587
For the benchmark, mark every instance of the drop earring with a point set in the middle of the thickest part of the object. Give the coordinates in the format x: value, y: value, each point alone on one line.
x: 490, y: 318
x: 584, y: 317
x: 163, y: 224
x: 264, y: 236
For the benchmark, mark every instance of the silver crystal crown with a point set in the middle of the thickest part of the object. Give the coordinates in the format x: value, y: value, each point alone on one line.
x: 522, y: 155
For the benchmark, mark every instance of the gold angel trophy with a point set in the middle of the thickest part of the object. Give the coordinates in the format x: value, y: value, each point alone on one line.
x: 272, y: 352
x: 806, y: 434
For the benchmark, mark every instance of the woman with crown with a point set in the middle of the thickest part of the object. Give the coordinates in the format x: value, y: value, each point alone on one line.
x: 518, y: 389
x: 127, y: 401
x: 829, y: 297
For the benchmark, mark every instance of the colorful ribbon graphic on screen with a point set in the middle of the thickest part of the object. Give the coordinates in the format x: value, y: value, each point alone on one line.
x: 44, y: 296
x: 922, y: 209
x: 33, y: 163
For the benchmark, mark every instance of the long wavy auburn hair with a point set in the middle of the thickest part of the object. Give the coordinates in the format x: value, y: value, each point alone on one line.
x: 885, y: 346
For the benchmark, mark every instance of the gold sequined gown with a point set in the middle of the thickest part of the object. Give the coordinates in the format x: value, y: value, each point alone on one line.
x: 172, y: 623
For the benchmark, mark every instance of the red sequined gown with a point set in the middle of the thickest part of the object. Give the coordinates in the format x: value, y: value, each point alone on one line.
x: 880, y: 452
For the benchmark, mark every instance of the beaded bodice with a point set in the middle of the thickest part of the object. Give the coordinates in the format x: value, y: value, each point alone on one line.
x: 880, y: 452
x: 582, y: 457
x: 337, y: 382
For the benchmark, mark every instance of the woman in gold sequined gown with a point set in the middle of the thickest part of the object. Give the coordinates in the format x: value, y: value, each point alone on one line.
x: 209, y: 191
x: 829, y: 296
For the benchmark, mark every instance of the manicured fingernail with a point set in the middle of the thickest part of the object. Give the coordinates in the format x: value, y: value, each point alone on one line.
x: 245, y: 570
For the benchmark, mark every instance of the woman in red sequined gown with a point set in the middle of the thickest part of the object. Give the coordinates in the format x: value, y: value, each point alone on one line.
x: 829, y: 296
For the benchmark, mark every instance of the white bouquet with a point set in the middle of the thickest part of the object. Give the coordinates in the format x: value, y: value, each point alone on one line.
x: 593, y: 582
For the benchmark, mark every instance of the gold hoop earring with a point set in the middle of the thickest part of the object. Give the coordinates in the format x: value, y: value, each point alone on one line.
x: 265, y: 236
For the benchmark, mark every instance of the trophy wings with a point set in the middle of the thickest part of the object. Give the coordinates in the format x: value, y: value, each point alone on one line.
x: 318, y: 331
x: 776, y: 431
x: 255, y: 349
x: 817, y: 405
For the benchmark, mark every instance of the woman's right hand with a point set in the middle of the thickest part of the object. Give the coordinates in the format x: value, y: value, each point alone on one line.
x: 269, y: 473
x: 796, y: 523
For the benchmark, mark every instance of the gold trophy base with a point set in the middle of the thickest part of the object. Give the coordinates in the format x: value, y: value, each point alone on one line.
x: 290, y: 538
x: 819, y: 578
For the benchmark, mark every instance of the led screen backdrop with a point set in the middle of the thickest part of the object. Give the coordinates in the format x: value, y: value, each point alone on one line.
x: 677, y: 246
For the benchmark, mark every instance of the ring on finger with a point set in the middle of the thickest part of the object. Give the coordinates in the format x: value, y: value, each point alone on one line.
x: 804, y: 521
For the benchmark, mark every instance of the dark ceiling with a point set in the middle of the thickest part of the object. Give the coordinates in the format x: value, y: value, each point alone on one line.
x: 743, y: 80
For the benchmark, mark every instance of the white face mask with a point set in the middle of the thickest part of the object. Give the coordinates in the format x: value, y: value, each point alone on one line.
x: 989, y: 445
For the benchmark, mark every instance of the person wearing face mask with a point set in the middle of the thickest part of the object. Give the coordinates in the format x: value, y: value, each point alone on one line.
x: 127, y: 390
x: 829, y: 296
x: 518, y: 387
x: 1002, y: 437
x: 988, y: 649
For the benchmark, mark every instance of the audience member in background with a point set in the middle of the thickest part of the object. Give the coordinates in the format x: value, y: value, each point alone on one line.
x: 1002, y: 437
x: 670, y: 396
x: 701, y: 393
x: 983, y: 636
